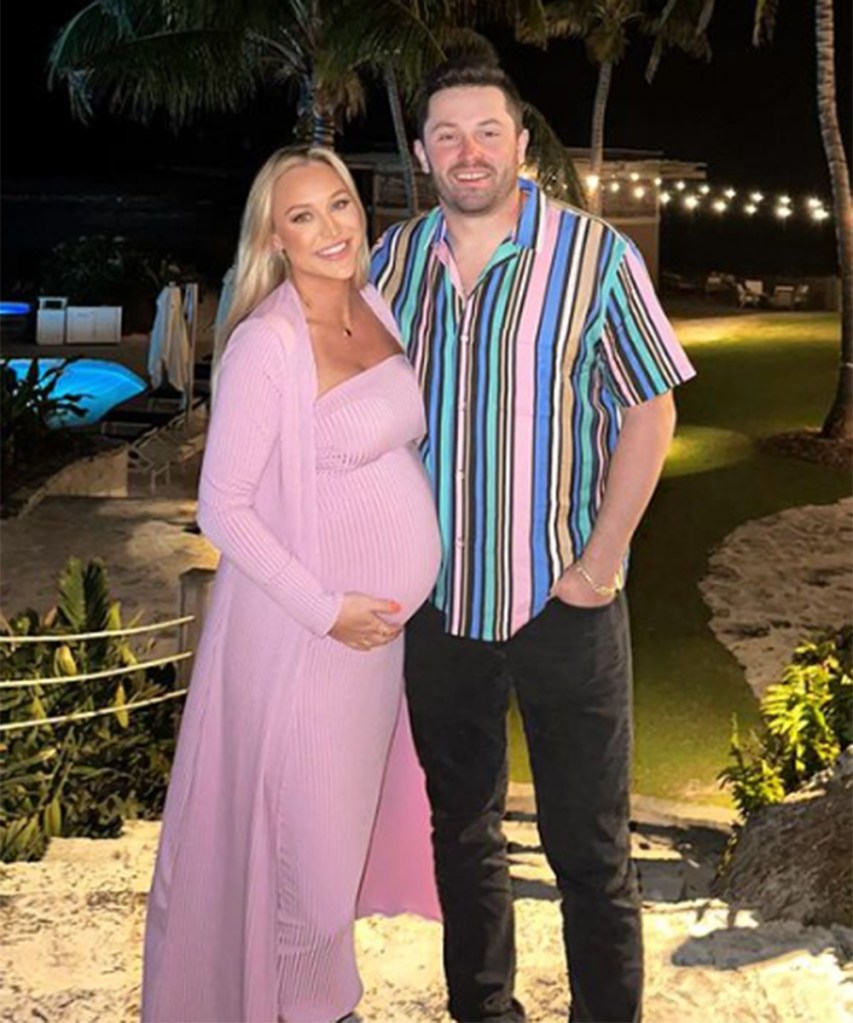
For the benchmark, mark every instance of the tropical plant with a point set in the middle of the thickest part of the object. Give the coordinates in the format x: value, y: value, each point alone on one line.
x: 31, y: 412
x: 605, y: 28
x: 83, y: 775
x: 186, y: 57
x: 412, y: 36
x: 97, y: 270
x: 807, y: 720
x: 839, y: 420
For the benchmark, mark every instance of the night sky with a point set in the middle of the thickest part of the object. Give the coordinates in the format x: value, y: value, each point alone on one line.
x: 749, y: 114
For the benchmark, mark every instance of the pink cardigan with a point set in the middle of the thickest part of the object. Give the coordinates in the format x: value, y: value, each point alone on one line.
x: 210, y: 941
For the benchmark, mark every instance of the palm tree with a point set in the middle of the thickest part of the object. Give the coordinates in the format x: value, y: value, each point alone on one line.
x: 414, y: 34
x: 187, y: 57
x: 605, y: 26
x: 839, y: 420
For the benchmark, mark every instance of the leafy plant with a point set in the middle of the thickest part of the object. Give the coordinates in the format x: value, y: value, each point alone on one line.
x: 807, y: 720
x: 81, y: 777
x: 29, y: 410
x: 98, y: 270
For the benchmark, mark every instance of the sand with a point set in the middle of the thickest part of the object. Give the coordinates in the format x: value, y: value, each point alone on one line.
x: 72, y: 924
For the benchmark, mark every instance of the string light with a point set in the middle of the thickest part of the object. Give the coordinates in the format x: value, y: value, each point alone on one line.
x: 693, y: 195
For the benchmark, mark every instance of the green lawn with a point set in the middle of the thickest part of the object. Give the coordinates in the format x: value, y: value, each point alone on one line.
x: 758, y: 375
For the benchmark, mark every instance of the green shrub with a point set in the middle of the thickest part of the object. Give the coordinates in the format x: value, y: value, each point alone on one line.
x: 807, y: 720
x: 80, y: 778
x: 28, y: 409
x: 99, y: 270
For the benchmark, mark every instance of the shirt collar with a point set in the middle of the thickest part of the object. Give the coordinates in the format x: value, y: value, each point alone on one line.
x: 528, y: 228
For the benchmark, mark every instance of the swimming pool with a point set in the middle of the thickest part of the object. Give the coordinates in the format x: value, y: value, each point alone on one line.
x: 103, y: 385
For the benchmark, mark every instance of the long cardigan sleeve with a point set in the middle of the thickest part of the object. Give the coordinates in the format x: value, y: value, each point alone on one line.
x: 245, y: 432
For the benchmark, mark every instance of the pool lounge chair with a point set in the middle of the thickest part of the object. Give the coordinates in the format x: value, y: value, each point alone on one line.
x: 153, y: 452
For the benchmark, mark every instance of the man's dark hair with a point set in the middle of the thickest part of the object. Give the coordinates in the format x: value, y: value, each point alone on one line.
x: 459, y: 73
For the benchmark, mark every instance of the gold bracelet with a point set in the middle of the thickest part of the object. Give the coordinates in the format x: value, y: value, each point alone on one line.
x: 602, y: 591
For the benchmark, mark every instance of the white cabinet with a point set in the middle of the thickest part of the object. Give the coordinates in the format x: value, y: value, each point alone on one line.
x: 93, y: 325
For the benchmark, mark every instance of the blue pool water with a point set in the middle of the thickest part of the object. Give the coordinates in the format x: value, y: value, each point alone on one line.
x: 102, y: 384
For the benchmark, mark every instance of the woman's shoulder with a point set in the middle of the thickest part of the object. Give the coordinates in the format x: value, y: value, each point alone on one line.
x: 275, y: 326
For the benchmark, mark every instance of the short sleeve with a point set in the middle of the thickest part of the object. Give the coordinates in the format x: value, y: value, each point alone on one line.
x: 642, y: 355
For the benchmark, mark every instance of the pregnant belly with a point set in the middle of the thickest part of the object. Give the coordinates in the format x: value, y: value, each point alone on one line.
x: 378, y: 531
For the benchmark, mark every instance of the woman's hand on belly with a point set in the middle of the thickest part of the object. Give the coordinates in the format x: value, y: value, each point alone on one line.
x: 360, y: 624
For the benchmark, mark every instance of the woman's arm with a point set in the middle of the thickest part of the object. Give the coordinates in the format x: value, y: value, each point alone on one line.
x: 242, y: 437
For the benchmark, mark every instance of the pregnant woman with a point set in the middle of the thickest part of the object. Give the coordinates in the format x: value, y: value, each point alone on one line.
x: 296, y: 803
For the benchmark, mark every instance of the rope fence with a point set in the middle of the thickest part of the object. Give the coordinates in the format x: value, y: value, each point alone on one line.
x: 136, y: 630
x: 128, y: 669
x: 85, y: 715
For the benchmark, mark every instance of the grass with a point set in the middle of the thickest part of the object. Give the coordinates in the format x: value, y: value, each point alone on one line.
x: 757, y: 376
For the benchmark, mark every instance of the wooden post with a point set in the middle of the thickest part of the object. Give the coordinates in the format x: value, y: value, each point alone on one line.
x: 196, y: 585
x: 191, y: 293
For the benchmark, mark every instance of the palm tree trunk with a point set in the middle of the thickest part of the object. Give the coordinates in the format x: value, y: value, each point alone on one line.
x: 316, y: 123
x: 596, y: 148
x: 409, y: 183
x: 839, y: 420
x: 322, y: 126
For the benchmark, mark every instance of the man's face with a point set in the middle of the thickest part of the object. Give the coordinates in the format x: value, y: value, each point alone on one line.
x: 472, y: 148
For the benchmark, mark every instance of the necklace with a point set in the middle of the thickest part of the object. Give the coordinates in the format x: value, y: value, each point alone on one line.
x: 345, y: 330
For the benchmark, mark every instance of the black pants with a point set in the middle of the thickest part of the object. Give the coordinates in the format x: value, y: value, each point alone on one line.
x: 571, y: 669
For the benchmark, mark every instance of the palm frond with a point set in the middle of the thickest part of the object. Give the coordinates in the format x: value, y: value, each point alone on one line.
x: 181, y: 73
x: 554, y: 168
x: 384, y: 32
x: 681, y: 25
x: 764, y: 24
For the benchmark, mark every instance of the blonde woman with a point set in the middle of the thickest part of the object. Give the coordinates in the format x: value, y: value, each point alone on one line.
x: 296, y: 802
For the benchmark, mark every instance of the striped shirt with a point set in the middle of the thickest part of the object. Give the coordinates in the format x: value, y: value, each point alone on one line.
x: 523, y: 380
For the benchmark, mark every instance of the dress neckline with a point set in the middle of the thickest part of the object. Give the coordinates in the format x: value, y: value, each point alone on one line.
x: 357, y: 376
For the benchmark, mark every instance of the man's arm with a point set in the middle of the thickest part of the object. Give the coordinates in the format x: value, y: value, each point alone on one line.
x: 636, y: 465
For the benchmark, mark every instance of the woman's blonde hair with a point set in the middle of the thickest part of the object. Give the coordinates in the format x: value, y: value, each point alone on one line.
x: 260, y: 267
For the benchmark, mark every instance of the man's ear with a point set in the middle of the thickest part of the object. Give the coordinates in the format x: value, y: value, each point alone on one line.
x: 521, y: 145
x: 420, y: 156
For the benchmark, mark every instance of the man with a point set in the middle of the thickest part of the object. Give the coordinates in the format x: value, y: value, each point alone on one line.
x: 546, y: 366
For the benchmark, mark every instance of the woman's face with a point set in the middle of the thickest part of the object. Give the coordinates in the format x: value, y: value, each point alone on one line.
x: 317, y: 222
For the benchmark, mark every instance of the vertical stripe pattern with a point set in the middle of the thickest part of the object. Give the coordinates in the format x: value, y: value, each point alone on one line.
x: 524, y: 380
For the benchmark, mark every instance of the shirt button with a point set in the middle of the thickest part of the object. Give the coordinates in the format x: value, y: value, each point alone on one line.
x: 460, y: 542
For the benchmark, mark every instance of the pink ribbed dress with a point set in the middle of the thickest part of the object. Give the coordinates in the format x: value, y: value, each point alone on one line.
x: 296, y: 801
x: 377, y: 535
